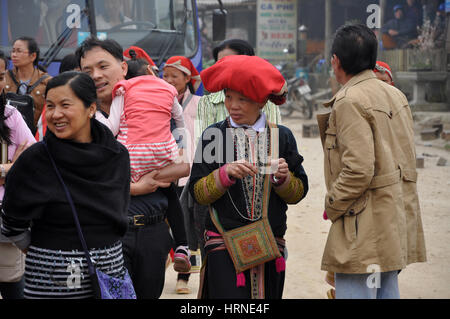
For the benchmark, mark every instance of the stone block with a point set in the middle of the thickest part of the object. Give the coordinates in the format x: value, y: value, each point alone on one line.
x: 441, y: 161
x: 310, y: 130
x: 445, y: 135
x: 429, y: 134
x: 420, y: 162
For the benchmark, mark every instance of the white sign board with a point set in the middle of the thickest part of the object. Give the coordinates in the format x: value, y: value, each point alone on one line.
x: 276, y: 29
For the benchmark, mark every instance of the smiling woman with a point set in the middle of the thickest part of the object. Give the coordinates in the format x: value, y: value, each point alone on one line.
x: 71, y: 103
x: 95, y: 168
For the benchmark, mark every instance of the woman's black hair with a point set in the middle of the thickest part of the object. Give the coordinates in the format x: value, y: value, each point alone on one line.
x: 356, y: 47
x: 242, y: 47
x: 4, y: 130
x: 68, y: 63
x: 33, y: 47
x: 81, y: 84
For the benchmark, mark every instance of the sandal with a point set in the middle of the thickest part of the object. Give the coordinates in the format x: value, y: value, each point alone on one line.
x: 182, y: 287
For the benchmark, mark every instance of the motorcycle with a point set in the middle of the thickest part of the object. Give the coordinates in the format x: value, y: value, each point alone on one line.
x: 298, y: 99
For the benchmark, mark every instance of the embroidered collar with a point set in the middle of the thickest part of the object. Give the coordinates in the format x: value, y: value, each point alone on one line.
x: 259, y: 125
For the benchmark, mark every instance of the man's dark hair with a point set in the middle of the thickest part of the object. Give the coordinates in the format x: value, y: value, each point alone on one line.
x: 356, y: 47
x: 109, y: 45
x: 242, y: 47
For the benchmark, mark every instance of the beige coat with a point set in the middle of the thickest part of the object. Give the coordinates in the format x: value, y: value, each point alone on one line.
x: 370, y: 175
x: 37, y: 93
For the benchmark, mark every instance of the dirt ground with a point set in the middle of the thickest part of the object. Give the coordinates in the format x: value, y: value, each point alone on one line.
x: 307, y: 231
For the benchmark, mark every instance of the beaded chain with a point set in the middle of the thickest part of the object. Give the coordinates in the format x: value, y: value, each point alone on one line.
x: 253, y: 147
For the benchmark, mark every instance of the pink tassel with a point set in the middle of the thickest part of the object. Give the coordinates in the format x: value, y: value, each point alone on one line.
x: 240, y: 280
x: 280, y: 264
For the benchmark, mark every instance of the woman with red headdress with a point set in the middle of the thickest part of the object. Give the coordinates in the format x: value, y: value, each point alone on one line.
x: 247, y: 170
x: 181, y: 73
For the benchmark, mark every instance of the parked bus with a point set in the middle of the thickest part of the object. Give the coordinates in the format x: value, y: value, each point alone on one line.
x: 163, y: 28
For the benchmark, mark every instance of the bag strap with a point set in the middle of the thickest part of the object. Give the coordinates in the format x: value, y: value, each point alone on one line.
x: 35, y: 84
x: 274, y: 139
x: 74, y: 212
x: 30, y: 88
x: 13, y: 77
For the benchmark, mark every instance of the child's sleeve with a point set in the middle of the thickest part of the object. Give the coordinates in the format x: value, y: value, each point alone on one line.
x: 113, y: 121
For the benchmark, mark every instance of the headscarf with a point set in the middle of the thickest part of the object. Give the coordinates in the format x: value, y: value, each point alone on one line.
x: 185, y: 65
x: 251, y: 76
x: 383, y: 67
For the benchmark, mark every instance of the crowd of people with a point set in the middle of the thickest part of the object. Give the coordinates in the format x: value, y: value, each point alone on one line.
x: 151, y: 166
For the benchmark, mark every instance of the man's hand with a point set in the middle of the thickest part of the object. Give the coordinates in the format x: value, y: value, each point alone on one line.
x: 147, y: 184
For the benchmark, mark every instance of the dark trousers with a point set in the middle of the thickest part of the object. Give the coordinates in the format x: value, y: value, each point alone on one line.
x: 195, y: 227
x: 12, y: 290
x: 145, y: 250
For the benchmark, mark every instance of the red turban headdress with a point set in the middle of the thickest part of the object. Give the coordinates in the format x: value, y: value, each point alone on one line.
x: 251, y: 76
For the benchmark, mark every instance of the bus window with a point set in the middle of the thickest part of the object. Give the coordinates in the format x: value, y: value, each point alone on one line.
x: 161, y: 28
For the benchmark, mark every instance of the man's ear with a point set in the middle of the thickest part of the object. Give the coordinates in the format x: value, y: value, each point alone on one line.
x: 337, y: 61
x: 124, y: 66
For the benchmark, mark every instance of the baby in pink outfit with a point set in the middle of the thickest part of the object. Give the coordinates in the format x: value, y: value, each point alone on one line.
x: 140, y: 118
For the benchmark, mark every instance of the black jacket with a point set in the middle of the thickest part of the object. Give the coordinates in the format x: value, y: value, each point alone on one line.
x: 97, y: 175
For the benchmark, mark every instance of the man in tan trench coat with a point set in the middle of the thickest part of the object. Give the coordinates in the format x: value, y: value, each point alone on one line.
x: 370, y: 175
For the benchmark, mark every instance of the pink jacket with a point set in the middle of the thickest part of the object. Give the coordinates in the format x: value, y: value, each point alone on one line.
x: 19, y: 133
x: 147, y: 109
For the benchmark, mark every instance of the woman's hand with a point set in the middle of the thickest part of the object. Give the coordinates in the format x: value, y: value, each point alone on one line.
x: 240, y: 169
x: 282, y: 170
